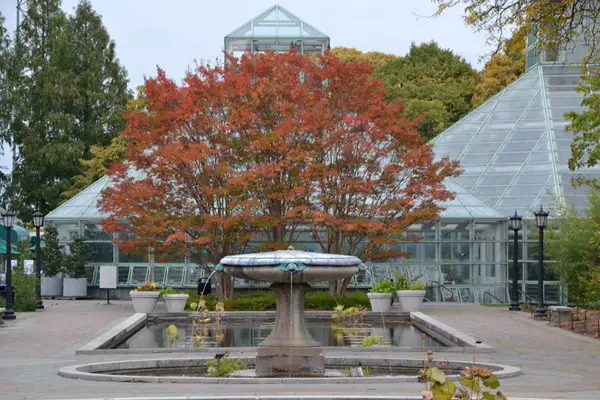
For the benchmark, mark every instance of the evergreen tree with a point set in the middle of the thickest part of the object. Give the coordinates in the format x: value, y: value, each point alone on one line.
x: 52, y: 254
x: 72, y: 98
x: 5, y: 96
x: 79, y: 255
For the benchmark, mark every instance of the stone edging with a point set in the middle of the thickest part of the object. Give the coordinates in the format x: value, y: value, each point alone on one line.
x: 93, y: 372
x: 279, y: 397
x: 431, y: 325
x: 114, y: 335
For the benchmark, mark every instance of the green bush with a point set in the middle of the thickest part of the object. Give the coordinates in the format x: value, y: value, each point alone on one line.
x: 75, y: 262
x: 25, y: 290
x: 266, y: 301
x: 52, y: 253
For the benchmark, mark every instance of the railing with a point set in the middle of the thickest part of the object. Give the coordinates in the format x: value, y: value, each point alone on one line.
x: 491, y: 295
x: 441, y: 286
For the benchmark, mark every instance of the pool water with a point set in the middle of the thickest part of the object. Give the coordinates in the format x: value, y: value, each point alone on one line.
x: 251, y: 334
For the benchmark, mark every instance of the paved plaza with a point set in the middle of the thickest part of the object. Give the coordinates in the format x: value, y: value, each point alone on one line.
x: 555, y: 363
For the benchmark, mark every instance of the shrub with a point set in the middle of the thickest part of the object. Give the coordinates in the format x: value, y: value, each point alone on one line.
x: 75, y: 262
x: 52, y: 253
x: 266, y: 301
x: 24, y: 286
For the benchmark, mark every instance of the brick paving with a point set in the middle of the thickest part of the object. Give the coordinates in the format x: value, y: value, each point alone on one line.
x: 556, y: 363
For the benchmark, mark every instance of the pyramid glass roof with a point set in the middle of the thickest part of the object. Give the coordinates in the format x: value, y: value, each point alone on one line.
x: 514, y: 149
x: 276, y: 29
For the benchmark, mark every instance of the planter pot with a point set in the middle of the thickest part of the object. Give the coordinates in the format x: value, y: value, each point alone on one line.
x: 75, y: 287
x: 52, y: 286
x: 175, y: 303
x: 410, y: 300
x: 380, y: 302
x: 144, y: 302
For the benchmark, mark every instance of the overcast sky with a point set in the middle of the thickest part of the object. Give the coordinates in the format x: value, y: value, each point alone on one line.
x: 173, y: 33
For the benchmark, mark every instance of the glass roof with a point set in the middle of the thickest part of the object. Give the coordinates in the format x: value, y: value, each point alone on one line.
x: 513, y: 148
x: 277, y: 22
x: 466, y: 205
x: 83, y: 206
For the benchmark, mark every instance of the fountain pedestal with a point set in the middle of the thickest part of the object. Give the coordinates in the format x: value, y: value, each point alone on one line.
x: 289, y: 349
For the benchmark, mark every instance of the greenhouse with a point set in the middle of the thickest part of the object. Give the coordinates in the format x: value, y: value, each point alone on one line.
x: 513, y: 150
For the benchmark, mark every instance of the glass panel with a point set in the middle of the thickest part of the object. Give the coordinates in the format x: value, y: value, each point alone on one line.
x: 496, y: 179
x: 90, y: 271
x: 67, y: 232
x: 101, y: 252
x: 192, y: 274
x: 457, y: 231
x: 457, y: 252
x: 533, y: 272
x: 380, y: 270
x: 157, y: 274
x: 528, y: 179
x: 466, y: 294
x: 488, y: 147
x: 456, y: 274
x: 527, y: 190
x: 516, y: 104
x: 509, y: 158
x: 476, y: 159
x: 486, y: 231
x: 519, y: 146
x: 416, y: 273
x: 174, y: 275
x: 132, y: 257
x: 504, y: 115
x: 123, y: 274
x: 518, y: 136
x: 93, y: 231
x: 138, y: 274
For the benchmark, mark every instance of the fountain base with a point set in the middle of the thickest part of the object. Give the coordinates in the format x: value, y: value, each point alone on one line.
x: 289, y: 350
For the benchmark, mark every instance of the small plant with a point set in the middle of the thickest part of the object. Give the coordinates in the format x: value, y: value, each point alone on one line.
x: 222, y: 365
x: 367, y: 371
x: 146, y: 287
x: 167, y: 290
x: 417, y: 286
x: 173, y: 334
x: 369, y: 341
x: 383, y: 285
x: 78, y: 257
x: 346, y: 372
x: 401, y: 282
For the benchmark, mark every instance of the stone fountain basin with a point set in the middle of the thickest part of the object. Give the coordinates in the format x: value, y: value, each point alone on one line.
x: 311, y: 273
x: 143, y: 371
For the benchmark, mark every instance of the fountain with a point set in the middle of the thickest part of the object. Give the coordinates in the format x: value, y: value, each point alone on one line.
x: 290, y: 350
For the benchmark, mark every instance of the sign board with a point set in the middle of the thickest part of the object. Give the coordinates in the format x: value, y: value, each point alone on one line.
x: 108, y: 277
x: 13, y: 263
x: 28, y: 267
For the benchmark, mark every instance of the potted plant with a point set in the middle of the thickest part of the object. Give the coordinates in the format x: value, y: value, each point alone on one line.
x: 380, y: 295
x: 53, y: 257
x: 175, y: 302
x: 410, y: 295
x: 144, y: 297
x: 75, y: 284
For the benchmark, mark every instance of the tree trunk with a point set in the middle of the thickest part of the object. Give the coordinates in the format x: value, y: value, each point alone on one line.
x: 338, y: 287
x: 224, y: 285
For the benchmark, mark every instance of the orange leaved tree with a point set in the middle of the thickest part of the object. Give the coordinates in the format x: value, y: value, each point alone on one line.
x: 268, y: 146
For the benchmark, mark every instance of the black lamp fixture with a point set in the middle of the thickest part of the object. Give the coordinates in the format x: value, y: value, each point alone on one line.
x: 8, y: 220
x: 541, y: 218
x: 38, y: 222
x: 515, y: 223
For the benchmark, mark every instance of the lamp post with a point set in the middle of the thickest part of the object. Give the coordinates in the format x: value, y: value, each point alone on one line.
x: 38, y: 222
x: 515, y: 224
x: 541, y: 217
x: 8, y: 219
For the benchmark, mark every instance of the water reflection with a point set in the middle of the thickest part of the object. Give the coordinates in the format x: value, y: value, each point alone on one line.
x: 251, y: 334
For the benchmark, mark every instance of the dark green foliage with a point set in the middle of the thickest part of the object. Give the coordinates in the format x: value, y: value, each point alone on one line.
x: 24, y: 286
x: 5, y: 94
x: 78, y: 257
x: 572, y: 243
x: 71, y: 98
x: 265, y: 301
x: 433, y: 82
x: 52, y: 255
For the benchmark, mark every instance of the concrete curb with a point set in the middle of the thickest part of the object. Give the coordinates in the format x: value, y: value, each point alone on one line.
x: 437, y: 328
x: 114, y: 335
x: 279, y: 397
x: 95, y: 371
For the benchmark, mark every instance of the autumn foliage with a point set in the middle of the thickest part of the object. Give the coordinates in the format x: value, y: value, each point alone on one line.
x: 250, y: 154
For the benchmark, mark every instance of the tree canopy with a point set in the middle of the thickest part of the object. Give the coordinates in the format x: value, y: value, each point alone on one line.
x: 69, y: 94
x: 264, y: 148
x: 434, y: 83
